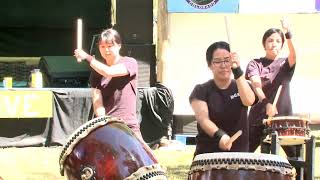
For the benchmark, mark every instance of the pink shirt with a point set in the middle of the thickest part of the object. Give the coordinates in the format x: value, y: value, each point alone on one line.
x: 119, y: 93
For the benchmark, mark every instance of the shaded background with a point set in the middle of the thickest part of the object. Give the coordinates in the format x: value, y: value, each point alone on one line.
x: 40, y: 28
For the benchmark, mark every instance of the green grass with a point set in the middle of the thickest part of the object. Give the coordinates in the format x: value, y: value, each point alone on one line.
x: 41, y: 163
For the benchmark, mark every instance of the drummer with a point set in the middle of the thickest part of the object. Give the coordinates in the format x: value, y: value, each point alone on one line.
x: 267, y: 74
x: 220, y: 104
x: 113, y: 80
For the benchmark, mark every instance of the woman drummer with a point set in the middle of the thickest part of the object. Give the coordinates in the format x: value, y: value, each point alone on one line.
x: 113, y: 81
x: 220, y: 104
x: 267, y: 74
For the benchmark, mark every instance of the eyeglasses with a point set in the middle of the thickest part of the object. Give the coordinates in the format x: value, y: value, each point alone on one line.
x: 218, y: 61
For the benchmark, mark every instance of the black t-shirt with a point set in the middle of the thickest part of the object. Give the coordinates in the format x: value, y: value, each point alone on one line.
x: 226, y: 111
x: 273, y: 73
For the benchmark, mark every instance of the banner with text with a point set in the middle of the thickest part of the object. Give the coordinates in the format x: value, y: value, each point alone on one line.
x: 26, y: 104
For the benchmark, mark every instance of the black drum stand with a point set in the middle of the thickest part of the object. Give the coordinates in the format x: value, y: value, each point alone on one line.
x: 304, y: 165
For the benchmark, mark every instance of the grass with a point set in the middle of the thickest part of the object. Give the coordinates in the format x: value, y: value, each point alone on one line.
x: 41, y: 163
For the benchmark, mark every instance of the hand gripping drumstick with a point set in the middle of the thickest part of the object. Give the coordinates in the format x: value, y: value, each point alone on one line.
x: 274, y: 103
x: 234, y: 137
x: 79, y: 36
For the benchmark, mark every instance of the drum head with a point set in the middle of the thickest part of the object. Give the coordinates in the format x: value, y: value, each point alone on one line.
x: 288, y: 140
x: 281, y: 118
x: 240, y: 165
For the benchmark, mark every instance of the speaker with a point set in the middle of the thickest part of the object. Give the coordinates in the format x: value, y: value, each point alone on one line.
x: 145, y: 55
x: 64, y: 71
x: 134, y: 21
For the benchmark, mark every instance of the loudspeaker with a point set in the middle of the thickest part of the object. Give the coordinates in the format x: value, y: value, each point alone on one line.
x: 64, y: 71
x: 134, y: 21
x: 145, y: 55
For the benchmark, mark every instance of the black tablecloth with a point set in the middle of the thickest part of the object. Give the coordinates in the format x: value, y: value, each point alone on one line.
x: 72, y: 108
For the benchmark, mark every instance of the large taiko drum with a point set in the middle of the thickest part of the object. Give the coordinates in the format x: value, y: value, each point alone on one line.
x: 291, y: 130
x: 240, y: 166
x: 106, y: 148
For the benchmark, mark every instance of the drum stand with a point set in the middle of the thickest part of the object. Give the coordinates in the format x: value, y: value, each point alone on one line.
x: 304, y: 168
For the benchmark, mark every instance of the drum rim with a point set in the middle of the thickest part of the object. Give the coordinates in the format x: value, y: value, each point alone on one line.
x: 152, y: 171
x: 278, y: 118
x: 283, y: 138
x: 82, y: 132
x: 286, y: 169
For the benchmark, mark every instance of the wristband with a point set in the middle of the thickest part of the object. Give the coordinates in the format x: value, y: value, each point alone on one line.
x: 217, y: 136
x: 288, y: 35
x: 89, y: 59
x: 237, y: 72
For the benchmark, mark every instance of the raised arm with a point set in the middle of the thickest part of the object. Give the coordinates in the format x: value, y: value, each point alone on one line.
x: 103, y: 69
x: 288, y: 35
x: 246, y: 94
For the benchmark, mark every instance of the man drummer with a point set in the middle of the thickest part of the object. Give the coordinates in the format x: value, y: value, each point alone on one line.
x: 220, y: 104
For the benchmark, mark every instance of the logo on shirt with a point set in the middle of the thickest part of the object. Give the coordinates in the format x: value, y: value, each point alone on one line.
x: 202, y: 4
x: 234, y: 96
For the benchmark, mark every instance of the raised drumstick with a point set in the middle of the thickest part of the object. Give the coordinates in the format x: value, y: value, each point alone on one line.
x: 234, y: 65
x: 234, y: 137
x: 79, y: 36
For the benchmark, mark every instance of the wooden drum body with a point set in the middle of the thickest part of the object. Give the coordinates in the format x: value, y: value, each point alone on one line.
x: 240, y: 166
x: 291, y: 130
x: 105, y: 148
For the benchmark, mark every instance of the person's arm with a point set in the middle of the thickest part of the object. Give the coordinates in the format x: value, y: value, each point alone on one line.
x: 200, y: 109
x: 97, y: 101
x: 109, y: 71
x: 288, y: 35
x: 103, y: 69
x: 246, y: 94
x: 257, y: 86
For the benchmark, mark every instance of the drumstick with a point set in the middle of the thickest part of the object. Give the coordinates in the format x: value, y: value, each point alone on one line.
x: 274, y: 104
x: 234, y: 65
x: 234, y: 137
x: 79, y: 36
x: 277, y: 96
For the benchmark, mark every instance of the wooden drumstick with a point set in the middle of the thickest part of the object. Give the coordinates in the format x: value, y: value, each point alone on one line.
x: 277, y: 96
x: 234, y: 137
x: 274, y: 104
x: 79, y: 36
x: 234, y: 65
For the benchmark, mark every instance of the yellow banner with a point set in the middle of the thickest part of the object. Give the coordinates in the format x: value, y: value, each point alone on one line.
x: 26, y: 104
